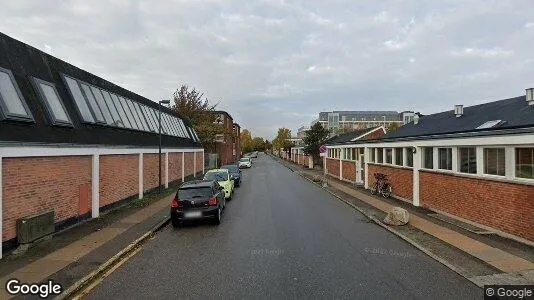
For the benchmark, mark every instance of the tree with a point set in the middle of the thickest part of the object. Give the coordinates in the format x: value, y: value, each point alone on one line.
x: 192, y: 104
x: 315, y: 137
x: 392, y: 127
x: 258, y: 144
x: 283, y: 140
x: 246, y: 141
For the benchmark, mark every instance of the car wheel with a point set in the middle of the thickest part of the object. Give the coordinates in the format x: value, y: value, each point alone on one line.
x: 218, y: 220
x: 176, y: 223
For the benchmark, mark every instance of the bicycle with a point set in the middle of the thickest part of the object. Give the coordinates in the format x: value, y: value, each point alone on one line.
x: 381, y: 186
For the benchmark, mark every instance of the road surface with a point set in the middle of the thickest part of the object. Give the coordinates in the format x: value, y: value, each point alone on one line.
x: 282, y: 238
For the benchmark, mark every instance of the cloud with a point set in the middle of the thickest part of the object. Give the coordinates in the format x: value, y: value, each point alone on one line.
x: 483, y: 53
x: 278, y: 63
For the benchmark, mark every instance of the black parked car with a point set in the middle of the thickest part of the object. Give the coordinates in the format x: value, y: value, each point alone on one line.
x: 234, y: 170
x: 198, y: 200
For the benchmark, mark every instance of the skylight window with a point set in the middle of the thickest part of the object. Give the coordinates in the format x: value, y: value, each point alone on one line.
x: 12, y: 104
x: 92, y: 103
x: 54, y: 106
x: 490, y: 124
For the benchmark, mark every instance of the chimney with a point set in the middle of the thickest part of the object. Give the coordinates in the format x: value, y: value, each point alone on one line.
x: 530, y: 96
x: 458, y: 110
x: 416, y: 119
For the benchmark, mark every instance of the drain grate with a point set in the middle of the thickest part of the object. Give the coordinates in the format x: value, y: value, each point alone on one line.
x: 458, y: 223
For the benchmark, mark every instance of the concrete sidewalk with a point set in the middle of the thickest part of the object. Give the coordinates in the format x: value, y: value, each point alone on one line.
x: 497, y: 258
x: 70, y: 263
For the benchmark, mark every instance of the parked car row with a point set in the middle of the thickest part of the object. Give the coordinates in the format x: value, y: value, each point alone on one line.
x: 206, y: 198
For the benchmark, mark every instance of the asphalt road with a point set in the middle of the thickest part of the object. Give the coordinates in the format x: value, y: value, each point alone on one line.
x: 282, y: 238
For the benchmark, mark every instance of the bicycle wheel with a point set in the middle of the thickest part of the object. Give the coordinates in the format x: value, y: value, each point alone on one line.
x: 374, y: 188
x: 386, y: 190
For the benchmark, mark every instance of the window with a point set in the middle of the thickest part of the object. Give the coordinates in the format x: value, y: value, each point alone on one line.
x: 445, y: 158
x: 79, y: 99
x: 409, y: 157
x: 54, y: 106
x: 156, y: 116
x: 141, y: 116
x: 12, y: 103
x: 132, y: 114
x: 101, y: 103
x: 428, y: 158
x: 180, y: 129
x: 524, y: 163
x: 114, y: 112
x: 468, y: 160
x: 136, y: 115
x: 389, y: 155
x: 380, y: 155
x: 373, y: 154
x: 399, y: 156
x: 99, y: 117
x: 122, y: 108
x: 148, y: 117
x: 184, y: 127
x: 494, y: 161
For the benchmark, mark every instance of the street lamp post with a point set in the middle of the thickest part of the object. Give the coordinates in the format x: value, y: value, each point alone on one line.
x: 166, y: 102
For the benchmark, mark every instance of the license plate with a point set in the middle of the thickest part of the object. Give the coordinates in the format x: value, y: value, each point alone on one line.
x: 193, y: 214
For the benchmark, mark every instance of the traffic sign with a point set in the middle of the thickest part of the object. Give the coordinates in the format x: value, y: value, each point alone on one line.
x: 322, y: 149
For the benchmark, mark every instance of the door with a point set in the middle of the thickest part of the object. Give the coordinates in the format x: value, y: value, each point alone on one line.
x: 362, y: 168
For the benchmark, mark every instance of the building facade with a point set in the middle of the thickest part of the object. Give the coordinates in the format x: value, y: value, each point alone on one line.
x: 227, y: 142
x: 474, y: 164
x: 354, y: 120
x: 75, y: 145
x: 237, y: 143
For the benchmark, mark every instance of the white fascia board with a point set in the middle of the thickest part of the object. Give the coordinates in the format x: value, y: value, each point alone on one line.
x: 513, y: 139
x: 29, y: 151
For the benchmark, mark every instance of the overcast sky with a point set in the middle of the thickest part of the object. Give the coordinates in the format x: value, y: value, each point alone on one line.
x: 276, y: 63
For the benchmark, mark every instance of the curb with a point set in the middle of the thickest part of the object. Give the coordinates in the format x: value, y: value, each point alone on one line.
x: 400, y: 235
x: 82, y: 283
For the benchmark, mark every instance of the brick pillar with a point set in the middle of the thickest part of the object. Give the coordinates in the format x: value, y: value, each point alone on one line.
x: 1, y: 220
x: 166, y: 170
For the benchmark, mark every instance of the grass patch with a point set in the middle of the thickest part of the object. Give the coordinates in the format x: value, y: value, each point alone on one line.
x: 153, y: 196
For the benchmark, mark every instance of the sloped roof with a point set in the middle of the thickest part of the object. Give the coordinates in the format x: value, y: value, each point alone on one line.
x: 347, y: 137
x: 514, y: 113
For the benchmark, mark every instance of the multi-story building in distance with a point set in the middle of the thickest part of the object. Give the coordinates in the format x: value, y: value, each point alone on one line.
x: 353, y: 120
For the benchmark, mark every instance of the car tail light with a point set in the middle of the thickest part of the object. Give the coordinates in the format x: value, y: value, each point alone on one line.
x: 213, y: 201
x: 175, y: 203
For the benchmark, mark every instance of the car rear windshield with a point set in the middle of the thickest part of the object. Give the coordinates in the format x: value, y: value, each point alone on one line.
x: 217, y: 176
x: 245, y: 159
x: 199, y: 192
x: 231, y: 168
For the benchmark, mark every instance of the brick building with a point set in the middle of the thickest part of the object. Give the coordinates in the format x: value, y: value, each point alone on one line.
x: 227, y: 144
x: 474, y: 164
x: 76, y: 145
x: 237, y: 143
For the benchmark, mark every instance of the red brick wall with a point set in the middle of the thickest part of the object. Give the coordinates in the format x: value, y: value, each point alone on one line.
x: 373, y: 135
x: 504, y: 206
x: 175, y: 166
x: 34, y: 185
x: 200, y: 161
x: 349, y: 170
x: 119, y: 177
x: 189, y: 163
x: 332, y: 166
x: 150, y: 171
x: 401, y: 180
